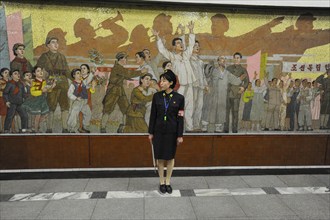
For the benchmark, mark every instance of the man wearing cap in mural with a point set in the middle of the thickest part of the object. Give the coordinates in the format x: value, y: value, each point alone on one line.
x: 20, y: 63
x: 115, y: 93
x: 56, y: 66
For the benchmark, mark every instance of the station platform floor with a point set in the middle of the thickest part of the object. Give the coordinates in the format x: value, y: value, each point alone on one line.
x: 234, y: 197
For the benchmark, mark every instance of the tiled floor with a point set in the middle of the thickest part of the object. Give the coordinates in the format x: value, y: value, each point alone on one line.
x: 213, y: 197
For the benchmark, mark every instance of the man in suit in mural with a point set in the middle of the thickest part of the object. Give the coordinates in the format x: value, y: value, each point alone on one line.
x: 115, y: 93
x: 57, y: 69
x: 89, y: 39
x: 234, y: 93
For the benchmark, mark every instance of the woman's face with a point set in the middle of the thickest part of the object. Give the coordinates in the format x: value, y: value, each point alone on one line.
x: 84, y: 70
x: 258, y: 82
x: 168, y: 66
x: 146, y: 81
x: 5, y: 74
x: 39, y: 73
x: 165, y: 84
x: 138, y: 59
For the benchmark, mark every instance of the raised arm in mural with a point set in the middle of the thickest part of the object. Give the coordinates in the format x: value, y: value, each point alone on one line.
x: 296, y: 39
x: 180, y: 58
x: 217, y: 41
x: 89, y: 39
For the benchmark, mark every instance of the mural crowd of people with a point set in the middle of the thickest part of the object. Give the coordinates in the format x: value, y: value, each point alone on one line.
x: 219, y: 94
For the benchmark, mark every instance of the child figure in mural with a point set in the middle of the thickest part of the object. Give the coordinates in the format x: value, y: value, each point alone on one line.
x: 78, y: 93
x: 4, y: 78
x: 37, y: 105
x: 27, y: 81
x: 216, y: 103
x: 13, y: 95
x: 115, y: 93
x: 20, y: 63
x: 234, y: 92
x: 324, y: 80
x: 247, y: 99
x: 293, y: 105
x: 56, y: 67
x: 135, y: 122
x: 180, y: 59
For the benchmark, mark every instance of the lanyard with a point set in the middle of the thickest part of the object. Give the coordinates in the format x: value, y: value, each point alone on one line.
x: 166, y: 104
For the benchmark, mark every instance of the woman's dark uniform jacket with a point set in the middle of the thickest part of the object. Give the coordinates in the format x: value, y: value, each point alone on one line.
x: 166, y: 131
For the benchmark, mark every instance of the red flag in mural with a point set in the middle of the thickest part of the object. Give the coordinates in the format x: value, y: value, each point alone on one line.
x: 14, y: 31
x: 253, y: 64
x: 4, y: 51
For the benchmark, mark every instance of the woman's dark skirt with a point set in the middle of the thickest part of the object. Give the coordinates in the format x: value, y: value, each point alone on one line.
x: 165, y: 145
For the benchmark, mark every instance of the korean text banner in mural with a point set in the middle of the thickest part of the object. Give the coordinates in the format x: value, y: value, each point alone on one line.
x: 79, y: 69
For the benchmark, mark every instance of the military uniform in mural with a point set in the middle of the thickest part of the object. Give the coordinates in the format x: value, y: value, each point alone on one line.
x: 57, y: 68
x: 136, y: 112
x: 233, y: 96
x: 115, y: 93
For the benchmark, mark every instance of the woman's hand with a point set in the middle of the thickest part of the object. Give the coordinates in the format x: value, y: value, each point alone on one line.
x: 151, y: 136
x: 179, y: 140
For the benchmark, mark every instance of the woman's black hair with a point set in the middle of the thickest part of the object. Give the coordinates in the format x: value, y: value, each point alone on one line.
x: 35, y: 69
x: 86, y: 65
x: 169, y: 76
x: 3, y: 70
x: 73, y: 72
x: 141, y: 54
x: 165, y: 63
x: 142, y: 77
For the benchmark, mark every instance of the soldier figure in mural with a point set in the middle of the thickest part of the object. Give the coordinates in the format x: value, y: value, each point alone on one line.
x: 57, y: 69
x: 234, y: 93
x: 20, y: 63
x: 60, y: 35
x: 115, y: 93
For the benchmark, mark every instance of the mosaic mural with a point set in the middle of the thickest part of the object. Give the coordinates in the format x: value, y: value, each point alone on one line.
x: 79, y: 69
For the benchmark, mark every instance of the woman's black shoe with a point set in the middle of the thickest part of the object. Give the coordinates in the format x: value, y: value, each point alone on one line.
x: 162, y: 188
x: 169, y: 189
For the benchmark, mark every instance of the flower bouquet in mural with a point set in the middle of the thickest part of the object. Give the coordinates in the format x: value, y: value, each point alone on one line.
x: 95, y: 57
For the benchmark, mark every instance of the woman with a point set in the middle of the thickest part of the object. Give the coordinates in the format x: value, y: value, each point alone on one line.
x: 166, y: 127
x: 135, y: 122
